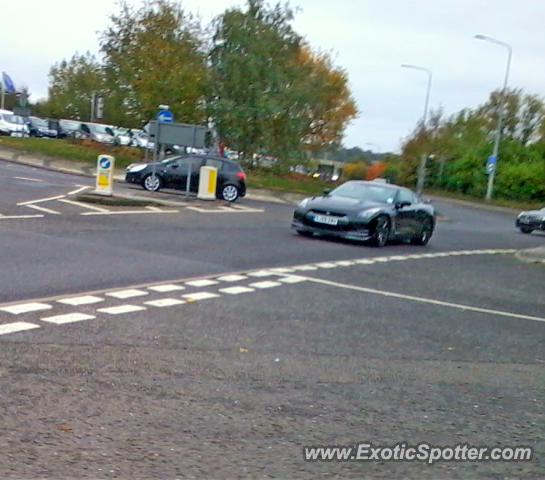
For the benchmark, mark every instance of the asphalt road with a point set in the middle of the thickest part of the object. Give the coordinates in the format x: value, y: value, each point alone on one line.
x: 132, y: 368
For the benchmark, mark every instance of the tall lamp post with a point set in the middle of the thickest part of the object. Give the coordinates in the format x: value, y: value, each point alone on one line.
x: 422, y: 167
x: 501, y: 109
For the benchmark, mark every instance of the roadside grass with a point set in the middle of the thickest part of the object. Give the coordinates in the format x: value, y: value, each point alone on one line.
x: 84, y: 151
x: 514, y: 204
x: 289, y: 182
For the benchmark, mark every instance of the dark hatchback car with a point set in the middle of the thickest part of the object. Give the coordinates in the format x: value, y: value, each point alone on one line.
x: 173, y: 173
x: 368, y: 212
x: 527, y: 222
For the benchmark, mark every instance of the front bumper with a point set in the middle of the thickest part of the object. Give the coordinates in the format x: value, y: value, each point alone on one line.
x: 131, y: 177
x: 349, y: 230
x: 530, y: 222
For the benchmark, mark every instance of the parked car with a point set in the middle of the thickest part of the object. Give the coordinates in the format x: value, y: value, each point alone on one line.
x: 173, y: 172
x: 70, y: 128
x: 98, y: 132
x: 40, y: 127
x: 12, y: 125
x: 123, y: 136
x: 368, y: 212
x: 532, y: 220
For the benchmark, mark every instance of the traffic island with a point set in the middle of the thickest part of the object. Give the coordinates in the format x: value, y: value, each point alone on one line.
x: 532, y: 255
x: 116, y: 200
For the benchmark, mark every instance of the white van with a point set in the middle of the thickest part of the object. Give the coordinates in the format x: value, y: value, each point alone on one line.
x: 12, y: 125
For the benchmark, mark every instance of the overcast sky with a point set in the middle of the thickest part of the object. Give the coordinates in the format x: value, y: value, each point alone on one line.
x: 369, y: 38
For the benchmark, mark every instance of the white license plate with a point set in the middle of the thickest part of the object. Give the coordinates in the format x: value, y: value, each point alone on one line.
x: 325, y: 219
x: 16, y: 134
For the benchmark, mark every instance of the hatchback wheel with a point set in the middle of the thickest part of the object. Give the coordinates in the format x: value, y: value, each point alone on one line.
x: 152, y: 183
x: 526, y: 230
x: 229, y: 193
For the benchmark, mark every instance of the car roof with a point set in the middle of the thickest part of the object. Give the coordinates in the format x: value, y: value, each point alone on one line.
x: 380, y: 184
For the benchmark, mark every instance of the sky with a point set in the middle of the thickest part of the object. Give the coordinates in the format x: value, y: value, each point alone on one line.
x: 370, y: 39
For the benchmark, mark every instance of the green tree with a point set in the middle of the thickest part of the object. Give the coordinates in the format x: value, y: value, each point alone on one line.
x: 72, y: 84
x: 154, y: 55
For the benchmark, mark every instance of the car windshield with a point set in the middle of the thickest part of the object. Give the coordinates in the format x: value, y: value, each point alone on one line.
x: 38, y: 122
x: 365, y: 192
x: 103, y: 129
x: 13, y: 119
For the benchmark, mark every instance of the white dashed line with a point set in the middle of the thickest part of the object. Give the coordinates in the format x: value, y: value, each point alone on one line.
x: 261, y: 273
x: 344, y: 263
x: 292, y: 279
x: 67, y: 318
x: 236, y: 290
x: 29, y: 179
x: 43, y: 209
x: 201, y: 283
x: 16, y: 327
x: 84, y: 205
x: 16, y: 217
x: 127, y: 212
x: 26, y: 308
x: 282, y: 270
x: 365, y: 261
x: 232, y: 278
x: 305, y: 268
x: 75, y: 192
x: 266, y: 284
x: 121, y: 309
x: 200, y: 296
x: 83, y: 300
x: 130, y: 293
x: 165, y: 302
x: 425, y: 300
x: 326, y: 265
x: 166, y: 288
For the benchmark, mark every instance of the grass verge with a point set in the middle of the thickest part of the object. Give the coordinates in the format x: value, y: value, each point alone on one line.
x: 514, y: 204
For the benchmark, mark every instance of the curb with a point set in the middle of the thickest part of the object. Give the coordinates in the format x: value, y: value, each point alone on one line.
x: 475, y: 205
x: 532, y: 255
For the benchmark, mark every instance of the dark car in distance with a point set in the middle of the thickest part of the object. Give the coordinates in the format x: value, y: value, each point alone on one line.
x: 368, y: 212
x: 532, y: 220
x: 173, y: 173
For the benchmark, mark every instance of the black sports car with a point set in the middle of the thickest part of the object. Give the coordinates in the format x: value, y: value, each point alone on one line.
x: 367, y: 211
x: 527, y: 222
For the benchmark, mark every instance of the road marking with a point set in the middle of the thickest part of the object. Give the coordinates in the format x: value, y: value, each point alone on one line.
x: 129, y: 293
x: 154, y: 209
x: 121, y: 309
x: 67, y: 318
x: 200, y: 296
x: 15, y: 217
x: 166, y: 288
x: 261, y: 273
x: 164, y: 302
x: 43, y: 209
x: 201, y: 283
x: 305, y: 268
x: 29, y: 179
x: 83, y: 300
x: 16, y: 327
x: 84, y: 205
x: 236, y: 290
x: 266, y: 284
x: 292, y: 279
x: 430, y: 301
x: 40, y: 200
x: 75, y: 192
x: 344, y: 263
x: 282, y: 270
x: 26, y: 308
x: 365, y: 261
x: 326, y: 265
x: 232, y: 278
x: 128, y: 212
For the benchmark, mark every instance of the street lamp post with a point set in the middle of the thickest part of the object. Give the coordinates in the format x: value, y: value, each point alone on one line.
x: 421, y: 180
x: 501, y: 109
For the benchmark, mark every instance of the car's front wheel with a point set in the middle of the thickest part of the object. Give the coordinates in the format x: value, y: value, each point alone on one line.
x: 230, y: 193
x: 426, y: 230
x: 526, y: 229
x: 382, y: 231
x: 152, y: 183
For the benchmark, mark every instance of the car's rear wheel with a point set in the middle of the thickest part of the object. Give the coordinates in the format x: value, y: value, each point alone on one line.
x: 230, y: 193
x: 425, y: 233
x: 152, y: 183
x: 526, y: 229
x: 382, y: 231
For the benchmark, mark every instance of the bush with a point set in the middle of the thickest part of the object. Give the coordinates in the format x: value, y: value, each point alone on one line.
x: 355, y: 171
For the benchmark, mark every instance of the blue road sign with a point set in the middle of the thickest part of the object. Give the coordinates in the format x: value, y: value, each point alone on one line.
x: 165, y: 116
x: 105, y: 163
x: 491, y: 164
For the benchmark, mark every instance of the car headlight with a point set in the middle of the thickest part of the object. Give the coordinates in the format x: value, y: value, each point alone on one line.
x: 137, y: 168
x: 304, y: 203
x: 368, y: 213
x: 521, y: 214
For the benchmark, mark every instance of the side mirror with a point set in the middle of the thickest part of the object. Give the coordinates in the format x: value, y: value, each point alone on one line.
x: 400, y: 205
x: 327, y: 191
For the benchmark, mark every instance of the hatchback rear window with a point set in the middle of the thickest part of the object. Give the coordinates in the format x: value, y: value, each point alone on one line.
x: 229, y: 167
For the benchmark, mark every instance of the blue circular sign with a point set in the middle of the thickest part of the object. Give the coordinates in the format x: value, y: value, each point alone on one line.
x: 165, y: 116
x: 105, y: 163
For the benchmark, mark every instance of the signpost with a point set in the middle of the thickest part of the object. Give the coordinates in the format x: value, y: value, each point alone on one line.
x: 105, y: 175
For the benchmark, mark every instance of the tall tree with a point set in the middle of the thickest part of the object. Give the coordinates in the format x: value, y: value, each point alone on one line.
x: 72, y: 84
x: 154, y: 55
